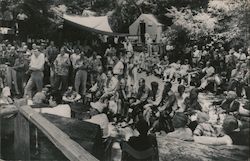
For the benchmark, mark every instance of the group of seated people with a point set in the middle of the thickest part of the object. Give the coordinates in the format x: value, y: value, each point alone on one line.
x: 211, y: 67
x: 117, y: 92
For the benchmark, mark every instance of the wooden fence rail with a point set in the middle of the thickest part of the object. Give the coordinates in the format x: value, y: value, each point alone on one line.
x: 26, y: 115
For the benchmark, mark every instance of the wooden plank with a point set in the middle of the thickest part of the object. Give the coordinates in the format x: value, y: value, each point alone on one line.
x: 7, y: 110
x: 0, y: 137
x: 71, y: 149
x: 174, y: 150
x: 21, y: 138
x: 86, y: 134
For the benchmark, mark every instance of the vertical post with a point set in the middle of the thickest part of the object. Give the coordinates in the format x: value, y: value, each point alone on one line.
x: 21, y: 134
x: 0, y: 137
x: 21, y: 138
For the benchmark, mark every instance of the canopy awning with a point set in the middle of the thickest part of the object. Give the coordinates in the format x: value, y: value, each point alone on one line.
x: 98, y: 25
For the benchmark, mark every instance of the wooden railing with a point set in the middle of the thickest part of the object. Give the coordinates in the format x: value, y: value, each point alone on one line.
x: 26, y: 115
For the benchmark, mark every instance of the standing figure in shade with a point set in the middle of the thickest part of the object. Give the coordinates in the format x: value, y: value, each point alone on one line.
x: 81, y: 66
x: 51, y: 54
x: 62, y: 64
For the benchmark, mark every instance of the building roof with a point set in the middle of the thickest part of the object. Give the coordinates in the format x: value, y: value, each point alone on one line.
x: 96, y: 24
x: 151, y: 17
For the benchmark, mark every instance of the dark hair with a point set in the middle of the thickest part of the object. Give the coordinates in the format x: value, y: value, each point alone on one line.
x: 168, y: 84
x: 181, y: 88
x: 142, y: 127
x: 142, y: 79
x: 57, y: 96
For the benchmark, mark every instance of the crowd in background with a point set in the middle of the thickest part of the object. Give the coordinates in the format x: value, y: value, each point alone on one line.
x: 110, y: 83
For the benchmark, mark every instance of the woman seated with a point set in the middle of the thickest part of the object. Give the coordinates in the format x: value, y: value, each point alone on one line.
x: 180, y: 97
x: 165, y: 111
x: 184, y: 71
x: 97, y: 89
x: 209, y: 72
x: 153, y: 101
x: 191, y: 103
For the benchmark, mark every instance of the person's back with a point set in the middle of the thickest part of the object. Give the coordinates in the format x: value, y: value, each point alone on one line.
x: 141, y: 142
x: 240, y: 137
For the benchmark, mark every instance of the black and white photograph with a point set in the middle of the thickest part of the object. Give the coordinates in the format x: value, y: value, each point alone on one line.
x: 125, y: 80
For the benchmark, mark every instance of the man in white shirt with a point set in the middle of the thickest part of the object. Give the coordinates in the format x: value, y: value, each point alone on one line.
x: 209, y: 77
x: 171, y: 71
x: 118, y: 69
x: 196, y: 56
x: 111, y: 84
x: 242, y: 56
x: 36, y: 67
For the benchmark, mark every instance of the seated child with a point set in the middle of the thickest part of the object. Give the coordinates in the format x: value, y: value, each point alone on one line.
x: 71, y: 96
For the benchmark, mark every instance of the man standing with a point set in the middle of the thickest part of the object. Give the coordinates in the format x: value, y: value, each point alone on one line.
x: 74, y: 58
x: 61, y: 64
x: 51, y: 54
x: 36, y: 67
x: 81, y: 68
x: 19, y: 68
x: 196, y: 56
x: 11, y: 78
x: 118, y: 68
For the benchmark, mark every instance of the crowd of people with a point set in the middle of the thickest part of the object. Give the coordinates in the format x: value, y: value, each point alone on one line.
x: 109, y: 83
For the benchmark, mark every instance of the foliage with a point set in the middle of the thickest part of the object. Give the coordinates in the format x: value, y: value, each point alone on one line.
x: 222, y: 20
x: 127, y: 11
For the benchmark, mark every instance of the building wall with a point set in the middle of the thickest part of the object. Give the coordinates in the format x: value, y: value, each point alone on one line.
x: 153, y: 29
